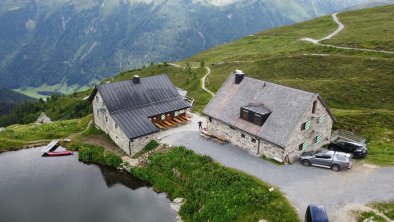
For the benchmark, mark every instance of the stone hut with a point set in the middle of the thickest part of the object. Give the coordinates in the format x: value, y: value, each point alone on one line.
x: 43, y: 119
x: 268, y: 119
x: 132, y: 111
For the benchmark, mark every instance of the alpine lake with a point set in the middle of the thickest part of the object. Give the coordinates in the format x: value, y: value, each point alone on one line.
x: 35, y: 188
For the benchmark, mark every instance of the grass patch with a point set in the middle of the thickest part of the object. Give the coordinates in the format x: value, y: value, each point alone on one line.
x: 148, y: 147
x: 16, y: 136
x: 213, y: 192
x: 366, y: 31
x: 386, y: 208
x: 96, y: 154
x: 377, y: 126
x: 369, y: 216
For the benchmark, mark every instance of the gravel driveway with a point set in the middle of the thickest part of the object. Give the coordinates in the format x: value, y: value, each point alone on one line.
x: 302, y: 185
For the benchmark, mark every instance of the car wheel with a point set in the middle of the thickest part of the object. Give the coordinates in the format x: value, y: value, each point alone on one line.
x: 335, y: 167
x: 306, y: 163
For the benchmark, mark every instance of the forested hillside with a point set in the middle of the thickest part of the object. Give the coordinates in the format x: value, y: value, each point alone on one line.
x: 9, y: 100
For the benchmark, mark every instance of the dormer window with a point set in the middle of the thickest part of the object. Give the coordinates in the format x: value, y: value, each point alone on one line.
x: 256, y: 114
x: 245, y: 115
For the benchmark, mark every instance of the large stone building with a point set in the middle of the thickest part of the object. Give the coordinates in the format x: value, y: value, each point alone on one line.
x: 268, y: 119
x: 132, y: 111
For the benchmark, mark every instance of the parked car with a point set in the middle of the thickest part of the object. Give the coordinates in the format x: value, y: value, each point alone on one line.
x: 327, y: 159
x: 315, y: 213
x: 356, y: 149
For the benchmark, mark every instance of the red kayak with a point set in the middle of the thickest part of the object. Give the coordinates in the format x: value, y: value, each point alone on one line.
x: 60, y: 153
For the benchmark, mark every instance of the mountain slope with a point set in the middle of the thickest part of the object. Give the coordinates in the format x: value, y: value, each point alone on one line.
x: 357, y: 85
x: 10, y: 99
x: 74, y: 42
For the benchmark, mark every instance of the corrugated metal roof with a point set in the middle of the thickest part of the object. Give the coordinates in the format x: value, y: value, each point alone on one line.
x: 287, y: 106
x: 132, y: 104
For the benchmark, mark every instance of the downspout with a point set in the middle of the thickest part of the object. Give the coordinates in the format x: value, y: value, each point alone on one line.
x: 258, y: 147
x: 129, y: 147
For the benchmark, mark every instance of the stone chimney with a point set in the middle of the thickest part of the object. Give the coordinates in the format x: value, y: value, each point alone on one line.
x: 239, y: 76
x: 136, y: 79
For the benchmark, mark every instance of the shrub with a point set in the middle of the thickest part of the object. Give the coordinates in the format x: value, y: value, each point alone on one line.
x: 95, y: 154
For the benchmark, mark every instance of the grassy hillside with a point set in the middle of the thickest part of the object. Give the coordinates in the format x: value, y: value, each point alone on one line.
x: 57, y: 107
x: 357, y: 85
x: 372, y: 32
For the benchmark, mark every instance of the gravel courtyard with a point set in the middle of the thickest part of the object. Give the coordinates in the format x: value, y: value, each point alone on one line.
x: 336, y: 191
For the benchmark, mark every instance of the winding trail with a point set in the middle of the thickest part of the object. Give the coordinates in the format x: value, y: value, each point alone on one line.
x: 203, y: 79
x: 341, y: 26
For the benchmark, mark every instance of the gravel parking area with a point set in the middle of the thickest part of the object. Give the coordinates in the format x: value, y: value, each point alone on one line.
x: 302, y: 185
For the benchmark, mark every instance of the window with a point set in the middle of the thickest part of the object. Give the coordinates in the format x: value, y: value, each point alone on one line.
x: 116, y: 125
x: 245, y: 115
x: 163, y: 117
x: 303, y: 146
x: 306, y: 125
x: 106, y: 119
x: 231, y: 127
x: 98, y: 113
x: 182, y: 111
x: 317, y: 139
x: 253, y: 140
x: 314, y: 106
x: 97, y: 98
x: 242, y: 135
x: 176, y: 113
x: 258, y: 119
x: 322, y: 119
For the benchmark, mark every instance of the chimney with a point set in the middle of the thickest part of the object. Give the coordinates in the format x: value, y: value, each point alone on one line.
x: 136, y: 79
x: 239, y: 76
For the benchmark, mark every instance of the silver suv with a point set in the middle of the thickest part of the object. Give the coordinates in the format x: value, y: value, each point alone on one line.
x: 327, y: 159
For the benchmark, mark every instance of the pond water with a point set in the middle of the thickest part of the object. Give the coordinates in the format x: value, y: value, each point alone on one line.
x: 35, y: 188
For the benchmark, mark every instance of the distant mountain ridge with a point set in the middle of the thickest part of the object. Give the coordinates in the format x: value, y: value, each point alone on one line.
x: 76, y: 41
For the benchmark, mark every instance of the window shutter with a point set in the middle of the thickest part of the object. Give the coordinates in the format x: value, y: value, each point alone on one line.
x: 322, y: 119
x: 318, y: 139
x: 305, y: 146
x: 308, y: 125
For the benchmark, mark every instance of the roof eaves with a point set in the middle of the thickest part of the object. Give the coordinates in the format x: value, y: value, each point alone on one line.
x: 326, y: 106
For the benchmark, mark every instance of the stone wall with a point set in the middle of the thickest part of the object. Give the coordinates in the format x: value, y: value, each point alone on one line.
x: 244, y: 140
x: 105, y: 122
x: 317, y: 128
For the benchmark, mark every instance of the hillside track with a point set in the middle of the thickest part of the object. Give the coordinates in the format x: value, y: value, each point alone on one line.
x: 203, y: 79
x: 341, y: 27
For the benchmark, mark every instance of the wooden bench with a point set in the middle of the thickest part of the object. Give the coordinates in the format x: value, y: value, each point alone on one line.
x: 168, y: 123
x: 184, y: 118
x: 205, y: 136
x: 178, y: 120
x: 219, y: 141
x: 159, y: 126
x: 173, y: 122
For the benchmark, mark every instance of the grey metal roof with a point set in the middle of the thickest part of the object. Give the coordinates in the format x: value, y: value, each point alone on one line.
x: 132, y: 104
x: 287, y: 106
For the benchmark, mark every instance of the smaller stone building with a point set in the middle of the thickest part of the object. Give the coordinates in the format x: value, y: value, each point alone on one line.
x: 43, y: 119
x: 130, y: 111
x: 268, y: 119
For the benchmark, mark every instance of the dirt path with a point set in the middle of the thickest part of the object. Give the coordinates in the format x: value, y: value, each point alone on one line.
x: 203, y: 79
x: 341, y: 26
